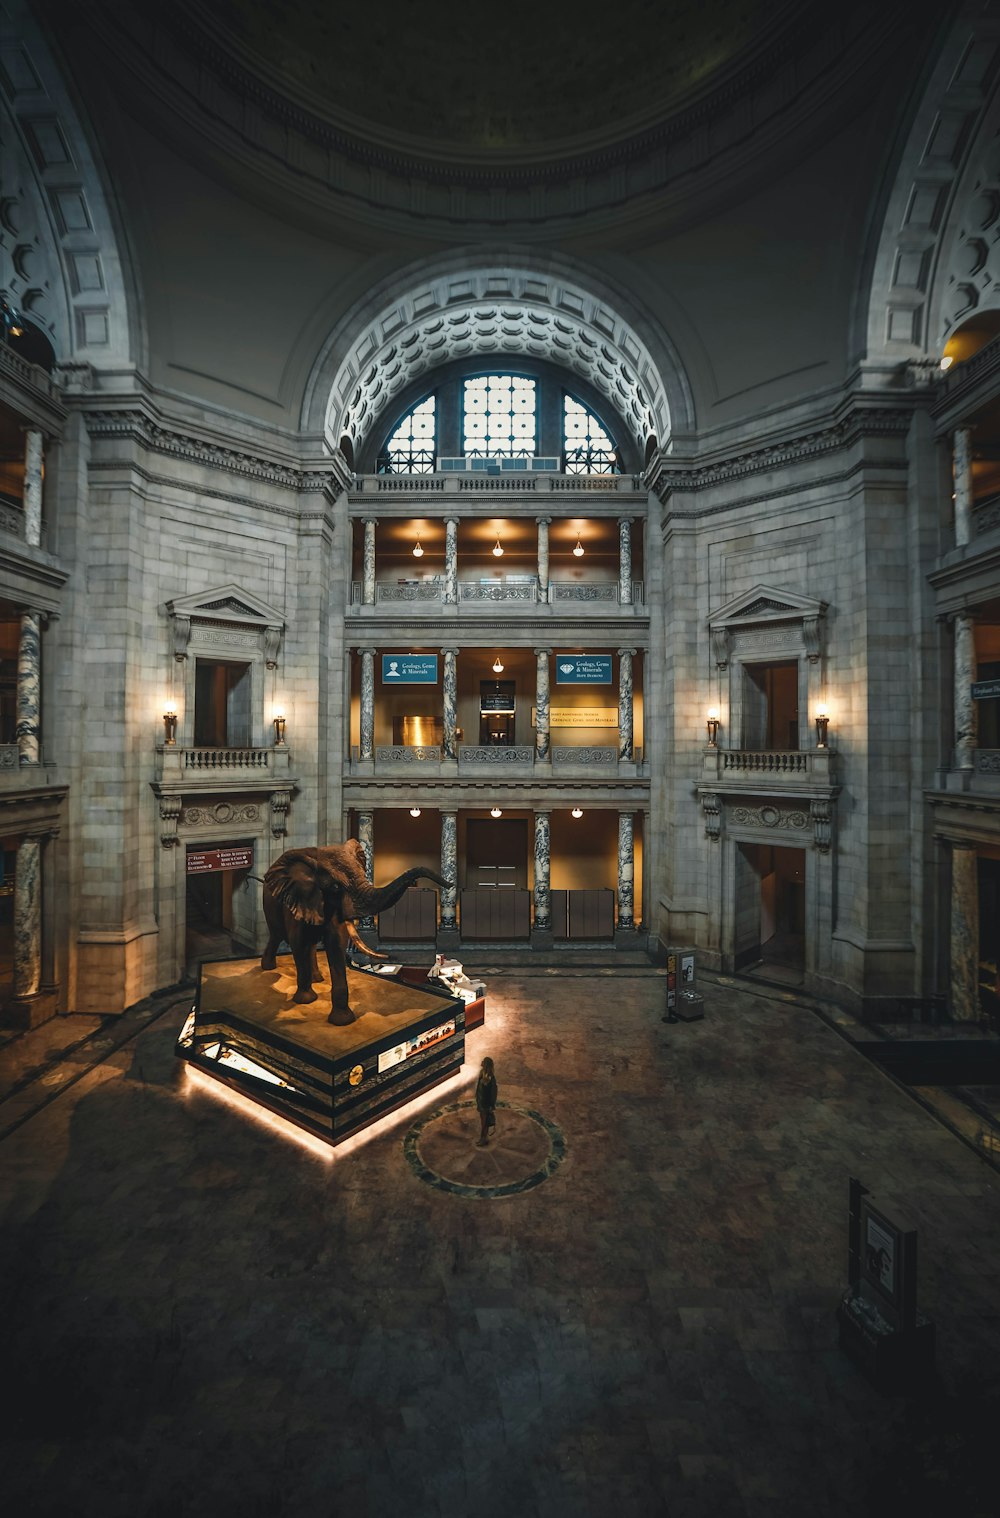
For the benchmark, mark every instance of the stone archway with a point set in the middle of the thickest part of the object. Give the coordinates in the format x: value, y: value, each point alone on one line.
x: 513, y: 304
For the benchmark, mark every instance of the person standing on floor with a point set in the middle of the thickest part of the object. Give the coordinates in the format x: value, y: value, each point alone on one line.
x: 486, y: 1100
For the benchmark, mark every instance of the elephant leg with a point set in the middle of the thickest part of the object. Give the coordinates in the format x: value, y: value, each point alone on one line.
x: 340, y: 1011
x: 275, y: 919
x: 314, y: 966
x: 302, y: 950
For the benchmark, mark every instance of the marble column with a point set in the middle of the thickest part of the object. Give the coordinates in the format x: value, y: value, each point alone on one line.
x: 367, y: 748
x: 450, y: 703
x: 626, y: 870
x: 33, y: 487
x: 543, y: 910
x: 29, y: 661
x: 28, y: 917
x: 625, y: 749
x: 965, y: 707
x: 450, y: 588
x: 543, y: 558
x: 625, y: 560
x: 449, y: 869
x: 964, y: 933
x: 368, y: 573
x: 542, y: 703
x: 961, y: 463
x: 366, y: 838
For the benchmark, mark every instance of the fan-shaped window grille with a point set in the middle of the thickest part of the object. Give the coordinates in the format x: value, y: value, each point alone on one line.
x: 587, y: 446
x: 499, y: 417
x: 410, y: 447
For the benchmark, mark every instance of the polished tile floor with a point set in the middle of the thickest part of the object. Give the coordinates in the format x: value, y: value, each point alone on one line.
x: 204, y: 1317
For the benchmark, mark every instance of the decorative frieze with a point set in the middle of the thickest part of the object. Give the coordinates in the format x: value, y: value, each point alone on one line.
x: 505, y: 754
x: 398, y: 753
x: 222, y: 813
x: 569, y: 754
x: 769, y: 817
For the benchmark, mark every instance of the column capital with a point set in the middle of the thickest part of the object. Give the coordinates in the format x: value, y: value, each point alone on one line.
x: 455, y: 651
x: 630, y: 651
x: 451, y: 520
x: 370, y: 521
x: 542, y: 653
x: 544, y: 521
x: 366, y: 648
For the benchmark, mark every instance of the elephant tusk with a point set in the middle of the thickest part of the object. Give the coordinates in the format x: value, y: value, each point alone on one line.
x: 358, y: 942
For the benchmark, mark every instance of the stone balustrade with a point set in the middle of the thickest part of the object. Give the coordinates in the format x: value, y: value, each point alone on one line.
x: 226, y: 759
x: 767, y: 762
x: 496, y: 754
x: 499, y: 758
x: 471, y: 591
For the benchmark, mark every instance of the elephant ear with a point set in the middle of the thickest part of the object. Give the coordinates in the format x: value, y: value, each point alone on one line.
x: 294, y: 881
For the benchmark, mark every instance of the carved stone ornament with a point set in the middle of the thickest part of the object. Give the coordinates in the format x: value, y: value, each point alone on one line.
x: 246, y: 615
x: 710, y: 806
x: 822, y: 823
x: 720, y: 646
x: 182, y: 637
x: 769, y: 817
x: 280, y: 802
x: 223, y: 812
x: 170, y: 811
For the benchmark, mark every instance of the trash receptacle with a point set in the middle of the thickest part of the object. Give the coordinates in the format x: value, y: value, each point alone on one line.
x: 684, y: 1002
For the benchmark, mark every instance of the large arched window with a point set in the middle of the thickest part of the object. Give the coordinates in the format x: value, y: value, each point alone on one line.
x: 500, y: 416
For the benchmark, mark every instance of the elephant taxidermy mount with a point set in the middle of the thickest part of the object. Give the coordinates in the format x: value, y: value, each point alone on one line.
x: 311, y: 897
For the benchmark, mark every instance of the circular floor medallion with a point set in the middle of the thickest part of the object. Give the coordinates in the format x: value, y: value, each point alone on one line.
x: 524, y: 1149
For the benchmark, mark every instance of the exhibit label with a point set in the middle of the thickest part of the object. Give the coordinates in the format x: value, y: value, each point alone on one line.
x: 985, y: 690
x: 580, y: 716
x: 409, y: 669
x: 205, y: 861
x: 583, y: 669
x: 406, y: 1050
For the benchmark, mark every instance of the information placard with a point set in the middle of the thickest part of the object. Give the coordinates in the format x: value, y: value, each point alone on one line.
x: 409, y: 669
x: 205, y: 861
x: 583, y: 669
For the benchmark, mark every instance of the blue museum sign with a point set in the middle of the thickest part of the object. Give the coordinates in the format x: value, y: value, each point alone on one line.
x: 409, y: 669
x: 583, y: 669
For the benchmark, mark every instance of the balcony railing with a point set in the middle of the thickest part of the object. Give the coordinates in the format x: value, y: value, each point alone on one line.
x: 988, y: 762
x: 240, y: 768
x: 502, y: 757
x: 766, y: 762
x: 410, y: 592
x: 768, y: 769
x: 226, y: 758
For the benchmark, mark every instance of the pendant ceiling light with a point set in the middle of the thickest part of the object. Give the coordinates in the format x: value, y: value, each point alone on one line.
x: 578, y: 551
x: 418, y: 552
x: 414, y: 811
x: 576, y: 812
x: 497, y: 666
x: 496, y: 812
x: 498, y: 549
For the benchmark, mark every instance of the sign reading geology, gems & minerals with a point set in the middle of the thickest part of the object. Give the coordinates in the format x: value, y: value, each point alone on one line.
x: 583, y: 669
x: 409, y: 669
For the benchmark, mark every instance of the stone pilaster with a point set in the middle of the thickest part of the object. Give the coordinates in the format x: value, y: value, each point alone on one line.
x: 28, y: 917
x: 961, y: 462
x: 367, y: 745
x: 543, y: 558
x: 449, y: 870
x: 368, y: 573
x: 965, y: 706
x: 450, y: 588
x: 625, y: 560
x: 625, y: 747
x: 542, y: 899
x: 366, y: 838
x: 29, y: 660
x: 964, y: 933
x: 450, y: 703
x: 626, y: 870
x: 542, y: 704
x: 33, y: 487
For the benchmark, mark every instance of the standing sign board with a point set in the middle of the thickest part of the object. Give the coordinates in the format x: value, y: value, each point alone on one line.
x: 409, y: 669
x: 583, y: 669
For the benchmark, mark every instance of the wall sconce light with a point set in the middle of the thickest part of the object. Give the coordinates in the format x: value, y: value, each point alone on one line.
x: 579, y: 550
x: 498, y: 548
x: 822, y: 725
x: 577, y: 812
x: 279, y: 732
x: 712, y: 724
x: 497, y: 666
x: 10, y: 318
x: 495, y: 811
x: 414, y: 811
x: 946, y: 362
x: 418, y: 552
x: 170, y: 729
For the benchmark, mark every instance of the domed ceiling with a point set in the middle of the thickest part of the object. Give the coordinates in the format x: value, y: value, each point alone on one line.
x: 496, y: 81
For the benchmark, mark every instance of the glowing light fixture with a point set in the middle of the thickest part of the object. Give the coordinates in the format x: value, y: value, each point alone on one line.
x: 10, y: 319
x: 498, y: 548
x: 418, y: 552
x: 712, y: 724
x: 414, y: 811
x: 578, y: 551
x: 170, y: 728
x: 822, y: 726
x: 577, y: 812
x: 496, y: 811
x: 497, y: 666
x: 279, y: 731
x: 946, y: 362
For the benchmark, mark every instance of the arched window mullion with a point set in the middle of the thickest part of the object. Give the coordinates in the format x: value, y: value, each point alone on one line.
x: 411, y: 447
x: 588, y: 447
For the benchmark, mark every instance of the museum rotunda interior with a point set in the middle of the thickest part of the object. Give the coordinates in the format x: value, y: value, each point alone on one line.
x: 544, y: 454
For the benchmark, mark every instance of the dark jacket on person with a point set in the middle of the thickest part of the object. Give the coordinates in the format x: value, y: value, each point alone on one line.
x: 486, y: 1093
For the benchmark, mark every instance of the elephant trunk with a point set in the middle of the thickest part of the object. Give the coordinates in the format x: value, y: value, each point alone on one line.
x: 369, y: 899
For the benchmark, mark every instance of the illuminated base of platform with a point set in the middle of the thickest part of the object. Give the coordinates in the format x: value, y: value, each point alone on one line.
x: 247, y: 1031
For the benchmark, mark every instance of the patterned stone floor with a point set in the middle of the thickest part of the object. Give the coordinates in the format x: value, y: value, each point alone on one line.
x: 204, y: 1316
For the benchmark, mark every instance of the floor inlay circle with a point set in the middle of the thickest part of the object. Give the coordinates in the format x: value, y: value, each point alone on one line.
x: 524, y: 1149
